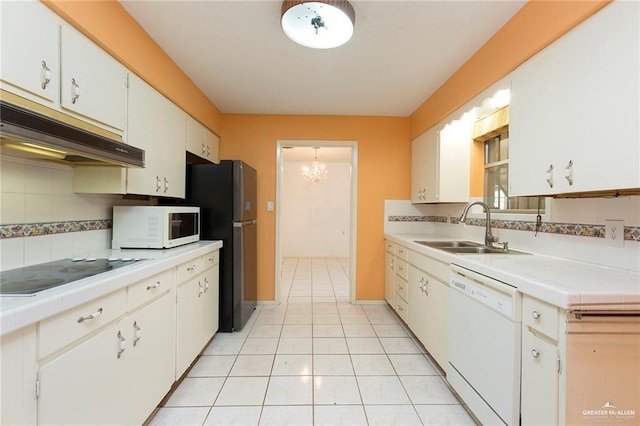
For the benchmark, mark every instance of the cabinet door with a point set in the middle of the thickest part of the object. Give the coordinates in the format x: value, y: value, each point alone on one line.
x: 190, y: 318
x: 92, y: 83
x: 150, y: 356
x: 453, y: 165
x: 30, y: 46
x: 577, y: 103
x: 88, y: 384
x: 539, y: 398
x: 212, y: 142
x: 418, y: 305
x: 19, y: 371
x: 438, y: 320
x: 173, y: 162
x: 424, y: 156
x: 389, y: 278
x: 195, y: 142
x: 210, y: 302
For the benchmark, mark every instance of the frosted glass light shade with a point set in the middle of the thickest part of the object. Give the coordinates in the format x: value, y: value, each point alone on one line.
x: 338, y: 19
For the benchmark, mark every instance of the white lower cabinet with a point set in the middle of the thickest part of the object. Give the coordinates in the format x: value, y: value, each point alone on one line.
x: 87, y: 384
x: 197, y: 311
x: 428, y: 302
x: 389, y: 274
x: 17, y: 381
x: 539, y: 393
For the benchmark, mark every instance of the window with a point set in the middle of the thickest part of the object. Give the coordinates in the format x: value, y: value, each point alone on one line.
x: 496, y: 177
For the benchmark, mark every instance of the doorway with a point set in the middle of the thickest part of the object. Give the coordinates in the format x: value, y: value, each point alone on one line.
x: 315, y: 222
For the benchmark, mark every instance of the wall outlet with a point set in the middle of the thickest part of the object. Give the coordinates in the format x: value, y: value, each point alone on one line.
x: 614, y: 232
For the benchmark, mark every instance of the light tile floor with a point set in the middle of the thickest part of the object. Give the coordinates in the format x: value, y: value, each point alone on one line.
x: 315, y: 360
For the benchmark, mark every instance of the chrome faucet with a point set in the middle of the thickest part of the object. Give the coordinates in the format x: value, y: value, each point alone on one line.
x: 489, y: 239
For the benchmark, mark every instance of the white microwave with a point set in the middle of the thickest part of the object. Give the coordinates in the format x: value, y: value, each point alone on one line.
x: 154, y: 226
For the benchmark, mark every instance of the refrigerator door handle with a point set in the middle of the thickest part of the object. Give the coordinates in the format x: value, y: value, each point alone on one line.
x: 245, y: 223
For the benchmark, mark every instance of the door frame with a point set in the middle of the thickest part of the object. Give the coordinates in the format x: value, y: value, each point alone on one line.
x: 281, y: 144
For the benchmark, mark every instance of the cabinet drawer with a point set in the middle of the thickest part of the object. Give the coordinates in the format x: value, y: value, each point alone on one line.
x: 402, y: 289
x: 402, y: 253
x: 540, y: 316
x: 149, y: 289
x: 402, y: 308
x: 189, y: 269
x: 402, y: 269
x: 432, y: 266
x: 210, y: 260
x: 67, y: 327
x: 390, y: 247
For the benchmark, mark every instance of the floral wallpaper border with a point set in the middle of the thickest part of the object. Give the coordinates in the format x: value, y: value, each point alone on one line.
x: 631, y: 233
x: 49, y: 228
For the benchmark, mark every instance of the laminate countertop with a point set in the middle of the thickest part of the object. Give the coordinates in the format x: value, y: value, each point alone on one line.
x: 20, y: 311
x: 564, y: 283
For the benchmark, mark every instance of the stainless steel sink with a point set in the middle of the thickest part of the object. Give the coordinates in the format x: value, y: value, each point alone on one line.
x: 480, y: 250
x: 444, y: 244
x: 466, y: 247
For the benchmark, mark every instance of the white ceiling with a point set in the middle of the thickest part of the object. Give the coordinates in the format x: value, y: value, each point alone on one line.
x: 401, y: 52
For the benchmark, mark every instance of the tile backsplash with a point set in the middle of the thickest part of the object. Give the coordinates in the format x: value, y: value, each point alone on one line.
x: 41, y: 219
x: 571, y: 228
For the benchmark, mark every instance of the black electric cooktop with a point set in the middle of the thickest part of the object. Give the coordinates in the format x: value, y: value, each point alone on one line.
x: 29, y: 280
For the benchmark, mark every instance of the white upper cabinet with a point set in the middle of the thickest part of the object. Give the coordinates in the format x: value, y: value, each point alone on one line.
x: 30, y: 50
x: 93, y: 84
x: 440, y: 164
x: 201, y: 141
x: 575, y: 108
x: 158, y: 126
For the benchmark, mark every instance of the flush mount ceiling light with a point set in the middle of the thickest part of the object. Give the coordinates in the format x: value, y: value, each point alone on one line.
x: 317, y: 172
x: 318, y: 24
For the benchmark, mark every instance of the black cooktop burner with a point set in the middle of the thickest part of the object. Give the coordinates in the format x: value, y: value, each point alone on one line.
x: 29, y: 280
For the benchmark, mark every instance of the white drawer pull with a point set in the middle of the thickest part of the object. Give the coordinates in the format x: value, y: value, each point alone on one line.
x: 96, y: 314
x: 151, y: 287
x: 123, y: 344
x: 535, y: 315
x: 191, y: 268
x: 137, y: 333
x: 535, y: 353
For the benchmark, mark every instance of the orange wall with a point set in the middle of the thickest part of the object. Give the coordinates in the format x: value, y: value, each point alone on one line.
x: 384, y: 156
x: 109, y: 25
x: 534, y: 27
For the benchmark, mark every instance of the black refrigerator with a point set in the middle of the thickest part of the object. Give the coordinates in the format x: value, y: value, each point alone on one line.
x: 226, y: 194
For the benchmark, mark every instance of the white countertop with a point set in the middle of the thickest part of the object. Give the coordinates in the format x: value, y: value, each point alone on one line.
x: 20, y: 311
x: 558, y: 281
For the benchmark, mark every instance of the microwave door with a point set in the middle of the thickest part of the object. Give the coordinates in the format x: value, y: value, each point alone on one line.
x: 183, y: 225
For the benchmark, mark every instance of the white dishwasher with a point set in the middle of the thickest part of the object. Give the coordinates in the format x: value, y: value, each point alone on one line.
x: 484, y: 345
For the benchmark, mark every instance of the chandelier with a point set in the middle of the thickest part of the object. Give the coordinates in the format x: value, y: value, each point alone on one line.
x: 317, y: 172
x: 321, y: 24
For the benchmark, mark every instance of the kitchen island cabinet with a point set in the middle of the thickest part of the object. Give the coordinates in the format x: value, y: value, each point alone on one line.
x: 575, y: 107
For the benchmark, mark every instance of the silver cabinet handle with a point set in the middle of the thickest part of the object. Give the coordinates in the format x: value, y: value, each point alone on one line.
x: 399, y: 307
x: 204, y: 150
x: 75, y: 91
x: 96, y: 314
x: 535, y: 314
x: 568, y: 172
x: 206, y: 284
x: 158, y: 183
x: 151, y: 287
x: 45, y: 75
x: 550, y: 176
x: 208, y: 152
x: 166, y: 184
x: 123, y: 344
x: 191, y: 268
x: 201, y: 290
x: 212, y: 259
x: 535, y: 353
x: 137, y: 333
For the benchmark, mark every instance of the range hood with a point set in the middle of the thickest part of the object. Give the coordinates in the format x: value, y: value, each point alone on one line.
x: 33, y: 131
